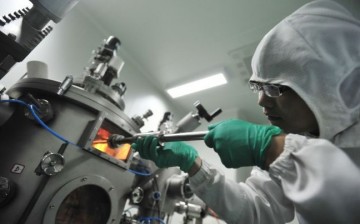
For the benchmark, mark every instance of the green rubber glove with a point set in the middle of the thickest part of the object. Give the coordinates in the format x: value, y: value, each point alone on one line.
x: 240, y: 143
x: 169, y: 155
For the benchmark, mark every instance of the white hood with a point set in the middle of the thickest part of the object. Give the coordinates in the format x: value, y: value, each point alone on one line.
x: 316, y: 52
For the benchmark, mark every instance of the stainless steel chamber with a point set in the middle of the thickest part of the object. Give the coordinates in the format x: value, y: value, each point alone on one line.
x: 54, y: 181
x: 56, y: 166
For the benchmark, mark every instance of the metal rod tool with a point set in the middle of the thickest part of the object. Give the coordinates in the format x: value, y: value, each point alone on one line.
x: 115, y: 140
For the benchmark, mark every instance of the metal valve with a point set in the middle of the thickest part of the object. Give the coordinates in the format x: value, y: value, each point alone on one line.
x: 52, y: 163
x: 192, y: 120
x: 204, y: 114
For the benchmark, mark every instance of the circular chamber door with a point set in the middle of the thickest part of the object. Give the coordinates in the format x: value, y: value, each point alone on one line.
x: 86, y: 199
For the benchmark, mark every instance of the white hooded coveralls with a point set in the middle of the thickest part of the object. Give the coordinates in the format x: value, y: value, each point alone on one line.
x: 316, y: 52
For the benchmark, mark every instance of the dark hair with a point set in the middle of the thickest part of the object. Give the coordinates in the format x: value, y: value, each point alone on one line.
x: 166, y: 117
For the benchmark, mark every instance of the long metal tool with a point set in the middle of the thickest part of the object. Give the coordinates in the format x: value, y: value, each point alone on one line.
x: 115, y: 140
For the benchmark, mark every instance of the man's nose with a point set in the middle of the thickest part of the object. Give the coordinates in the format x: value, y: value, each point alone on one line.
x: 264, y: 100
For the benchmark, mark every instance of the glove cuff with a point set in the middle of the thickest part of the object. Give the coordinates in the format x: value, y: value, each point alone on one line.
x: 268, y: 135
x: 189, y: 162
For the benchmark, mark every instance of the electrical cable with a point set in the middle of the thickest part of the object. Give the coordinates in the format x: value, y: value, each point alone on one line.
x: 158, y: 190
x: 149, y: 219
x: 37, y: 118
x: 32, y: 109
x: 145, y: 171
x: 139, y: 173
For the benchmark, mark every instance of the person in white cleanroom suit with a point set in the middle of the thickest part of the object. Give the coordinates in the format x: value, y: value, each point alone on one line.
x: 306, y: 71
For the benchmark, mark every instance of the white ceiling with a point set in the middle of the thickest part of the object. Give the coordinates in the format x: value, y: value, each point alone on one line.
x: 177, y: 41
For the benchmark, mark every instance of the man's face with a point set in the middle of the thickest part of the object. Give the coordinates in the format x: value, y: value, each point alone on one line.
x: 289, y: 112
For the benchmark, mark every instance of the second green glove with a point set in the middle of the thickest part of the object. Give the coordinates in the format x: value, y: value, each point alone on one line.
x: 240, y: 143
x: 171, y: 154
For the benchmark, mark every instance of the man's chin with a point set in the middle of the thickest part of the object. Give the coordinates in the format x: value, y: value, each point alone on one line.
x: 277, y: 121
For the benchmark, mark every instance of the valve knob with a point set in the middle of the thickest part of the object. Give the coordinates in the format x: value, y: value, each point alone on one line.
x: 203, y: 113
x: 52, y: 163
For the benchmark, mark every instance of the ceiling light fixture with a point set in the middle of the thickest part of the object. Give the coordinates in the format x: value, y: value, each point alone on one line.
x: 198, y: 85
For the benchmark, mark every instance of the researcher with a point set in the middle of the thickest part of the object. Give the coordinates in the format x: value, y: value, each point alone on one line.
x: 306, y: 72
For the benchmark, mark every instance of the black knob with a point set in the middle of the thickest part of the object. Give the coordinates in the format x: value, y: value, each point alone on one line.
x: 120, y: 87
x: 203, y: 113
x: 12, y: 17
x: 17, y: 14
x: 112, y: 42
x: 7, y: 19
x: 7, y: 191
x: 21, y: 12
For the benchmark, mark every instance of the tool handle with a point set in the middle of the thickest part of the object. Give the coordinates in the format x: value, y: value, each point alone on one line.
x: 185, y: 136
x: 115, y: 140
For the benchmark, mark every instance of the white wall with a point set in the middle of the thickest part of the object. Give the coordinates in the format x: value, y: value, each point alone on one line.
x: 67, y: 50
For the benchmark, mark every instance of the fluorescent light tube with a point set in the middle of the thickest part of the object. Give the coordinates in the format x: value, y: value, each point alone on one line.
x: 198, y: 85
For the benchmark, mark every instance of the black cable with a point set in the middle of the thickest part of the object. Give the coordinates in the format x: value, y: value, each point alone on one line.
x: 158, y: 190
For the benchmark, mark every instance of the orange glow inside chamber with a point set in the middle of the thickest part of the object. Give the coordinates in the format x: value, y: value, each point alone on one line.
x: 100, y: 143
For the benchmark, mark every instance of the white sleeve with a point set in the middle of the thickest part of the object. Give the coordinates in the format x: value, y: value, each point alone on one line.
x: 312, y: 175
x: 321, y: 180
x: 258, y: 200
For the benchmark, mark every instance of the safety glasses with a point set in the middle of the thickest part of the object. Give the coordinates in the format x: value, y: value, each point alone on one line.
x: 270, y: 90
